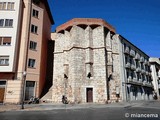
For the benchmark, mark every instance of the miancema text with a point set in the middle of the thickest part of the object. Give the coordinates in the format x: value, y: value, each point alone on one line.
x: 137, y: 115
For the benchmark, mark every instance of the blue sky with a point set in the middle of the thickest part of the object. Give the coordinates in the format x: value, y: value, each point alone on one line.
x: 136, y: 20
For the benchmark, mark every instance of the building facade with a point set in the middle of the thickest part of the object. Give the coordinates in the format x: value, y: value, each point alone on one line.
x: 25, y: 27
x: 155, y: 68
x: 135, y: 72
x: 91, y: 64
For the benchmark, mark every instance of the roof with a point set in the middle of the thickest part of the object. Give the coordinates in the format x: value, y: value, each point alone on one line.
x: 85, y: 21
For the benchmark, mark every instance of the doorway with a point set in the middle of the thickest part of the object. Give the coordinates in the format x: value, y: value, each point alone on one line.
x: 2, y: 90
x: 30, y: 90
x: 89, y: 94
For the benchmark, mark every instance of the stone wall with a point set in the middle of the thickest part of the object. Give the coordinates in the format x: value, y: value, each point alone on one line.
x: 80, y: 51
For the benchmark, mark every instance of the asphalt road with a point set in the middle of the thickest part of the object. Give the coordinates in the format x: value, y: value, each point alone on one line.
x: 110, y: 113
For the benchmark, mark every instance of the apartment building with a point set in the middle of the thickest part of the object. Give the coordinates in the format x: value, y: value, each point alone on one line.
x: 94, y: 64
x: 25, y: 27
x: 155, y: 68
x: 136, y: 75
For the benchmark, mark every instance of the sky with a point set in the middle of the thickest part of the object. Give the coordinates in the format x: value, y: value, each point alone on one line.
x: 136, y: 20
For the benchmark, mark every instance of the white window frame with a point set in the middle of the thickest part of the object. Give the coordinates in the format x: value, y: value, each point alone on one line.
x: 31, y: 63
x: 35, y: 13
x: 2, y: 42
x: 33, y: 45
x: 5, y: 5
x: 34, y: 29
x: 4, y: 60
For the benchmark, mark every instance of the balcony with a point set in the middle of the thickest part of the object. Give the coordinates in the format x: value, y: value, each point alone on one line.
x: 137, y: 57
x: 138, y: 69
x: 146, y: 62
x: 132, y: 53
x: 126, y: 51
x: 143, y: 71
x: 133, y: 67
x: 144, y: 82
x: 140, y: 81
x: 142, y: 59
x: 158, y: 74
x: 128, y: 65
x: 149, y: 84
x: 147, y: 73
x: 130, y: 79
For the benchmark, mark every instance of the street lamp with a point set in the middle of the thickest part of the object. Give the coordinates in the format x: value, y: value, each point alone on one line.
x: 23, y: 88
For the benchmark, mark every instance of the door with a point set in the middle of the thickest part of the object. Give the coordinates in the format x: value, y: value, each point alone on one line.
x: 30, y: 89
x: 2, y: 91
x: 89, y: 94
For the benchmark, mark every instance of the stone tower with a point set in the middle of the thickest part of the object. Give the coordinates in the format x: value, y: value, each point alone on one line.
x: 83, y: 61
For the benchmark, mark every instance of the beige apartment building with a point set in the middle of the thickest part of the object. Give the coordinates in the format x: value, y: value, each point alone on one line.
x: 92, y: 63
x: 25, y: 27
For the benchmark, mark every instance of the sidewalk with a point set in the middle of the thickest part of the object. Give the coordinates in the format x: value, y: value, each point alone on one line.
x: 52, y: 106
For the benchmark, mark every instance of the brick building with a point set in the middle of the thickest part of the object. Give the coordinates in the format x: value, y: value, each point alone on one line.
x: 25, y: 27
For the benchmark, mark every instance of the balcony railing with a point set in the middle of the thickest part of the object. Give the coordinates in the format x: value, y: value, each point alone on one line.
x: 158, y: 75
x: 138, y: 69
x: 132, y: 53
x: 137, y: 56
x: 143, y: 71
x: 128, y: 65
x: 144, y: 82
x: 133, y: 67
x: 126, y: 51
x: 130, y: 79
x: 147, y: 73
x: 146, y: 62
x: 142, y: 59
x: 149, y: 84
x: 140, y: 81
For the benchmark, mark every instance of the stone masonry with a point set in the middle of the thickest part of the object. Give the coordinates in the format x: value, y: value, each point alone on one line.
x: 85, y: 52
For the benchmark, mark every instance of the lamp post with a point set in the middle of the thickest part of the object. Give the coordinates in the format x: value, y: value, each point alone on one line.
x: 23, y: 88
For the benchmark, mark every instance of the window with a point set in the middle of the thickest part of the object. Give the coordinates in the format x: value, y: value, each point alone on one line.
x: 89, y: 70
x: 142, y: 66
x: 35, y: 13
x: 132, y: 74
x: 10, y: 6
x: 130, y: 60
x: 1, y: 22
x: 4, y: 60
x: 6, y: 6
x: 127, y: 74
x: 126, y: 59
x: 31, y: 63
x: 8, y: 22
x: 5, y: 41
x: 34, y: 29
x: 138, y: 76
x: 33, y: 45
x: 137, y: 64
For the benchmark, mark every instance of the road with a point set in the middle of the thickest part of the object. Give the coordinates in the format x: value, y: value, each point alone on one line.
x: 108, y: 113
